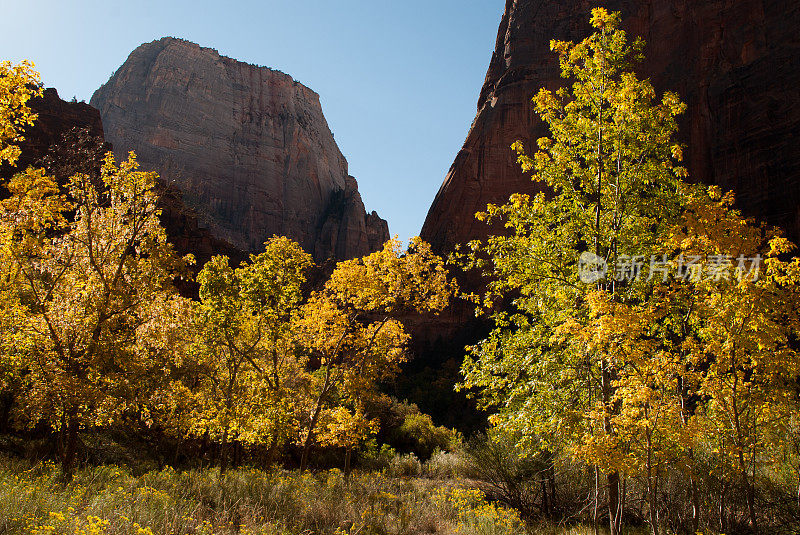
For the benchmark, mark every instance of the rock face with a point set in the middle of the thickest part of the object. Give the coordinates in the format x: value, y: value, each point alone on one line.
x: 248, y: 147
x: 735, y: 64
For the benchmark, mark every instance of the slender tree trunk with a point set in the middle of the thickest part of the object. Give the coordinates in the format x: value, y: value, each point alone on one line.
x: 348, y: 453
x: 798, y: 492
x: 596, y: 511
x: 695, y: 497
x: 273, y: 447
x: 694, y: 494
x: 204, y: 448
x: 309, y: 442
x: 652, y: 482
x: 178, y: 448
x: 238, y: 454
x: 5, y: 412
x: 545, y: 501
x: 750, y: 491
x: 307, y: 445
x: 723, y: 506
x: 613, y: 479
x: 551, y: 483
x: 223, y: 454
x: 614, y: 503
x: 751, y: 502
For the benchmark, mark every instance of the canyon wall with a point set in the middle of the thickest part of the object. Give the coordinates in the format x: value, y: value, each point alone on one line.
x: 248, y: 148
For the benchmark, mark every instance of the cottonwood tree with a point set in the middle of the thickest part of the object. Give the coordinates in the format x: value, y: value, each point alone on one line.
x: 18, y: 84
x: 352, y: 329
x: 248, y: 364
x: 625, y: 370
x: 611, y: 169
x: 345, y: 428
x: 746, y: 325
x: 86, y: 284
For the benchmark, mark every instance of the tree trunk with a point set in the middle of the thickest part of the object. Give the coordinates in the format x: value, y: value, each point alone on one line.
x: 70, y: 449
x: 223, y: 454
x: 723, y: 507
x: 237, y: 454
x: 652, y: 482
x: 5, y: 412
x: 545, y: 501
x: 695, y: 497
x: 273, y: 447
x: 613, y: 502
x: 613, y: 479
x: 751, y: 503
x: 596, y: 512
x: 348, y: 453
x: 178, y: 448
x: 551, y: 483
x: 749, y: 485
x: 694, y: 494
x: 309, y: 442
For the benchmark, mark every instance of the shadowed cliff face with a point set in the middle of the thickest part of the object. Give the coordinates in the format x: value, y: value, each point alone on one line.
x: 54, y: 118
x: 735, y: 64
x: 248, y: 147
x: 50, y: 142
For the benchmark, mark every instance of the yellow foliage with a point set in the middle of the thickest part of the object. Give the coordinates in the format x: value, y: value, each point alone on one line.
x: 18, y: 84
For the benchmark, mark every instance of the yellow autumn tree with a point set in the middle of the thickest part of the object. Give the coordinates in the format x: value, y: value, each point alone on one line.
x: 345, y: 428
x: 249, y: 368
x: 637, y: 322
x: 86, y: 285
x: 611, y: 167
x: 352, y: 331
x: 18, y: 84
x: 746, y: 320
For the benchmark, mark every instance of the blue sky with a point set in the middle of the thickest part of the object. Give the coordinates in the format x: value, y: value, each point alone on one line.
x: 399, y: 80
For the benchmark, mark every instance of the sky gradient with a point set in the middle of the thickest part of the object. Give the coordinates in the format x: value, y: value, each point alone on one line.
x: 398, y: 81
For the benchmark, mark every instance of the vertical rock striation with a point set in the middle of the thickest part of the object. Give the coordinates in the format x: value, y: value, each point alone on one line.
x: 247, y: 146
x: 735, y: 64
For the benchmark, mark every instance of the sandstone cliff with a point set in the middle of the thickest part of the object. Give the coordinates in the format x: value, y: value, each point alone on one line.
x: 735, y: 64
x: 248, y: 147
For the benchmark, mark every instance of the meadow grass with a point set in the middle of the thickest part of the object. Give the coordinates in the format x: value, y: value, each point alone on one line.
x: 109, y: 500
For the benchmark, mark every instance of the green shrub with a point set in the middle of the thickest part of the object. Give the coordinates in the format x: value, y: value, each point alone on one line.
x: 446, y: 465
x: 405, y: 465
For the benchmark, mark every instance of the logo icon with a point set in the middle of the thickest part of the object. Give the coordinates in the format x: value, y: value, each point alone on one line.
x: 591, y: 268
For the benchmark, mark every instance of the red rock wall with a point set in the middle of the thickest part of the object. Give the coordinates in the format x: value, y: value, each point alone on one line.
x: 248, y: 147
x: 735, y: 63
